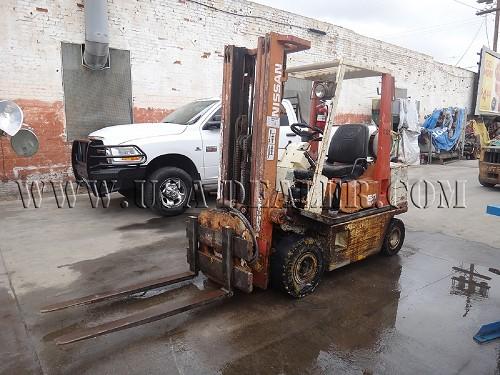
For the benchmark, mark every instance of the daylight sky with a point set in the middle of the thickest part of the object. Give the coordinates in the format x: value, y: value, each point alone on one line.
x: 448, y: 30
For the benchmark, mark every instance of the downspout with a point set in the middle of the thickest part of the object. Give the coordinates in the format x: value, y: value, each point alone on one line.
x: 95, y: 55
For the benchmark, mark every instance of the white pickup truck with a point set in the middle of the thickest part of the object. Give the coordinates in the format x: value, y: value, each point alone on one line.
x: 182, y: 148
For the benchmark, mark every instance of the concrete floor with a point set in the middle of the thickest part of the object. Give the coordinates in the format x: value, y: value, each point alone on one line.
x: 381, y: 315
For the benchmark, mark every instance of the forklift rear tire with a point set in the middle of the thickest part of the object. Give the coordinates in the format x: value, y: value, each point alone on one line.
x: 297, y: 265
x: 394, y: 237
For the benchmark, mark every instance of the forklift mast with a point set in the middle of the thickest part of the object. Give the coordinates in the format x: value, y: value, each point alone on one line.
x: 251, y: 109
x: 382, y: 172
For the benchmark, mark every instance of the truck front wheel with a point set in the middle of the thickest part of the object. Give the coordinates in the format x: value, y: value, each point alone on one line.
x: 169, y: 194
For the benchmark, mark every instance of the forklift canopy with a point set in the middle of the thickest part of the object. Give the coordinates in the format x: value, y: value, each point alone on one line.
x: 327, y: 71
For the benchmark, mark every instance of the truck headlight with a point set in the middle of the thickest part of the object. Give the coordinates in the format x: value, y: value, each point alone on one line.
x: 126, y: 155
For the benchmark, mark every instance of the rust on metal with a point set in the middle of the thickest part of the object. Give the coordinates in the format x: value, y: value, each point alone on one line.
x: 152, y: 314
x: 270, y: 67
x: 120, y: 292
x: 213, y: 268
x: 278, y: 215
x: 213, y: 238
x: 217, y: 219
x: 356, y: 239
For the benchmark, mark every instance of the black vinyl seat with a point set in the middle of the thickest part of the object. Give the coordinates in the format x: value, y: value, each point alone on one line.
x: 347, y: 152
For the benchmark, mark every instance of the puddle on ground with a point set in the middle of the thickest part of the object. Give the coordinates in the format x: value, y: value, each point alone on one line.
x: 416, y: 312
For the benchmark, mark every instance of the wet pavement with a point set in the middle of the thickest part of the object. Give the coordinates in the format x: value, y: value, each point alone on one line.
x: 412, y: 313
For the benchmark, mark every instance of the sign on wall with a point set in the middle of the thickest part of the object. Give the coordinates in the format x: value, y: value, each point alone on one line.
x: 488, y: 93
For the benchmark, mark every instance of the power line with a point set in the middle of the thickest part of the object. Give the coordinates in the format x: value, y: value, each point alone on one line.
x: 471, y: 43
x: 431, y: 28
x: 234, y: 13
x: 465, y: 4
x: 487, y: 33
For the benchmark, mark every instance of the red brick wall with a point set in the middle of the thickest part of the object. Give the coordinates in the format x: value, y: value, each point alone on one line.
x: 47, y: 121
x: 150, y: 114
x: 54, y: 155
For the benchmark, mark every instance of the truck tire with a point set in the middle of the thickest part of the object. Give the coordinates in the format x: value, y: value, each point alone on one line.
x: 486, y: 184
x: 171, y: 192
x: 297, y: 265
x: 394, y: 238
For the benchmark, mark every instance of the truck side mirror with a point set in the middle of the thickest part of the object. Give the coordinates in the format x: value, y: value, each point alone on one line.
x: 213, y: 123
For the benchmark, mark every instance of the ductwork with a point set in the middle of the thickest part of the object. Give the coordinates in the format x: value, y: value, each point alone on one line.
x: 96, y: 50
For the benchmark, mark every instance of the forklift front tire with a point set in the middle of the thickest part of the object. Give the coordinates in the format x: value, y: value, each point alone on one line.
x: 394, y: 237
x: 297, y: 265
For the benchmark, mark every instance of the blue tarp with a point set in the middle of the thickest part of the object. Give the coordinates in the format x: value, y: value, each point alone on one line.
x: 440, y: 135
x: 488, y: 332
x: 493, y: 209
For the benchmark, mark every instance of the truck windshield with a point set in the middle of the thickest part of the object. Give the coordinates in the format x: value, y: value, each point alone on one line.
x: 189, y: 113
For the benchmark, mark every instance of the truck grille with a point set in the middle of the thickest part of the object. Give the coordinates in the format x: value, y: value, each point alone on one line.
x: 87, y: 155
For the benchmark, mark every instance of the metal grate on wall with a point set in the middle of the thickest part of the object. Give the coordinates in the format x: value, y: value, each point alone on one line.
x: 95, y: 99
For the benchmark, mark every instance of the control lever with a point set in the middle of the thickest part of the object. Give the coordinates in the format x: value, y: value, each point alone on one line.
x: 310, y: 159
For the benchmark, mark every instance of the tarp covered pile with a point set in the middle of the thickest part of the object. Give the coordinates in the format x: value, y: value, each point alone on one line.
x: 445, y: 126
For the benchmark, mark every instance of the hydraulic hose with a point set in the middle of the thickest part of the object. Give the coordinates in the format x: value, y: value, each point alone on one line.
x: 245, y: 221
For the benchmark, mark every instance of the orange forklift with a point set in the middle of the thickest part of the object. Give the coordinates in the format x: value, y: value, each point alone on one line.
x: 282, y: 219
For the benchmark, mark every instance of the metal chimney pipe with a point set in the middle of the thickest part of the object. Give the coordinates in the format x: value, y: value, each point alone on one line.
x: 96, y: 51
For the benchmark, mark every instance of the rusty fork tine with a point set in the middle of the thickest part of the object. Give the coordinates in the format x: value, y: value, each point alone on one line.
x: 120, y: 292
x: 152, y: 314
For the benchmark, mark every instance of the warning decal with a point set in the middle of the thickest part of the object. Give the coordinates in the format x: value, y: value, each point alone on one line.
x: 273, y: 121
x: 271, y: 141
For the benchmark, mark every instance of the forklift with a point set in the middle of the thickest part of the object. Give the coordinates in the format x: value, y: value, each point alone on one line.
x: 281, y: 220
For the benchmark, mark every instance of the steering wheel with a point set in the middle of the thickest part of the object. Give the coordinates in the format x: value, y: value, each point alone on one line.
x: 307, y: 132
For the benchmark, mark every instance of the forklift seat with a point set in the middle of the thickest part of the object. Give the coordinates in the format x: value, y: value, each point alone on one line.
x: 347, y: 152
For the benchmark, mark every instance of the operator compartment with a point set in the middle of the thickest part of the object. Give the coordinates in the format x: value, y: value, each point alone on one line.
x: 339, y: 169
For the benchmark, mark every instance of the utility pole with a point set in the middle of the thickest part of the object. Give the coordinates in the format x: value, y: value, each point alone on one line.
x: 495, y: 37
x: 496, y: 9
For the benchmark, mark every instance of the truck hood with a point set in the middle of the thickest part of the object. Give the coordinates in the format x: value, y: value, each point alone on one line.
x: 118, y: 134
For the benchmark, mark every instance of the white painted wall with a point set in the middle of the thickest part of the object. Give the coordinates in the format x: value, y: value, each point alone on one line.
x: 161, y: 32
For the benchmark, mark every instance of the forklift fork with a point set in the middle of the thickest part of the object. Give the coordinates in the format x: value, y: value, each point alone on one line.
x: 163, y: 310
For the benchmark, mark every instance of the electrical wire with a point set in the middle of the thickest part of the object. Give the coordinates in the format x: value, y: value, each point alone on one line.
x: 288, y: 24
x: 471, y: 43
x: 248, y: 15
x: 465, y: 4
x: 436, y: 28
x: 486, y: 28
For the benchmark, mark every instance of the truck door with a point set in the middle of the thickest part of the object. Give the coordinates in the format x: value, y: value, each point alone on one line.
x: 210, y: 136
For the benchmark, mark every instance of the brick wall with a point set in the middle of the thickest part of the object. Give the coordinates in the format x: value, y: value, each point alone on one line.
x: 176, y: 56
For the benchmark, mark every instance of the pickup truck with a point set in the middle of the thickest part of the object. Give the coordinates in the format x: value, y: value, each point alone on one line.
x: 169, y: 156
